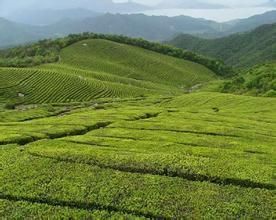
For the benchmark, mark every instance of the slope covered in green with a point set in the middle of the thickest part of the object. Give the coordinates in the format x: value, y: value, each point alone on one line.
x: 93, y: 69
x: 238, y: 50
x: 196, y: 156
x: 135, y: 63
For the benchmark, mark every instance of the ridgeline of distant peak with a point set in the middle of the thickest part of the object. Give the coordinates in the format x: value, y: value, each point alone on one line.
x: 59, y: 23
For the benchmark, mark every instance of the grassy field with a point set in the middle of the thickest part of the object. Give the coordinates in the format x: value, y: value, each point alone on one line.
x: 201, y: 155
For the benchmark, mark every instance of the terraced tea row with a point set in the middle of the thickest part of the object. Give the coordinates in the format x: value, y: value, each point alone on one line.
x: 94, y: 69
x: 193, y: 156
x: 42, y: 86
x: 135, y: 63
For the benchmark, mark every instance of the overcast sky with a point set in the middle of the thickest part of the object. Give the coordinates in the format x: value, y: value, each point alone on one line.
x: 226, y: 2
x: 9, y: 7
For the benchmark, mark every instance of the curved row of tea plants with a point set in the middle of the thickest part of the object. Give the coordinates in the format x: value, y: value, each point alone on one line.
x: 192, y: 156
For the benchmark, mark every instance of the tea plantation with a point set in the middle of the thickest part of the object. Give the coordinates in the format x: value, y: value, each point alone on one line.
x: 108, y: 133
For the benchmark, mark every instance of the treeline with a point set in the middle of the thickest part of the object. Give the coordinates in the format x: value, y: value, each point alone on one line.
x: 47, y: 51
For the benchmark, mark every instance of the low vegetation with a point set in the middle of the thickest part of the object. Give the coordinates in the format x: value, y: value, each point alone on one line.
x: 109, y: 127
x: 93, y: 69
x: 195, y: 156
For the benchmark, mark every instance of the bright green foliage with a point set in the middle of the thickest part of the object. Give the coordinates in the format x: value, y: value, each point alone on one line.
x: 135, y: 63
x: 259, y: 81
x: 201, y: 155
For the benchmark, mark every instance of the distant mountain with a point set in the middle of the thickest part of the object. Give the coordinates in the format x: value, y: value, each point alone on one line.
x: 238, y: 50
x: 251, y: 23
x: 101, y: 6
x: 157, y: 28
x: 188, y: 4
x: 128, y: 7
x: 14, y: 33
x: 49, y: 16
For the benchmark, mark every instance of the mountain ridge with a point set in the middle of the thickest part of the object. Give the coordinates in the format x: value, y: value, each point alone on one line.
x: 156, y: 28
x: 240, y: 50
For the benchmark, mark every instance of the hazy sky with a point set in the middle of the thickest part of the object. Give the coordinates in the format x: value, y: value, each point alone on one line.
x: 226, y: 2
x: 8, y: 7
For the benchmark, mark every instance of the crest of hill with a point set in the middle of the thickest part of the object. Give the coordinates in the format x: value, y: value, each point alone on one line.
x: 99, y: 68
x: 47, y: 51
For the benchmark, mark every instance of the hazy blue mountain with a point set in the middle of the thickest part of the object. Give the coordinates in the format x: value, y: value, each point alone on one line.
x: 239, y: 50
x: 50, y: 16
x: 157, y: 28
x: 251, y: 23
x: 14, y: 33
x: 138, y: 25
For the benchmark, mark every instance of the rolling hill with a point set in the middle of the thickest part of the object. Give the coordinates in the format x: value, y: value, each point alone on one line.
x: 97, y: 68
x: 239, y: 50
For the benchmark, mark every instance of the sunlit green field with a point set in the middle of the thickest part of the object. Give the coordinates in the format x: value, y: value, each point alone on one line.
x: 194, y: 156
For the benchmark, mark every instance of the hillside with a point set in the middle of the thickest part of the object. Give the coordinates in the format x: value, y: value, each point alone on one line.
x: 191, y: 156
x: 98, y: 68
x: 98, y: 126
x: 48, y: 51
x: 238, y: 50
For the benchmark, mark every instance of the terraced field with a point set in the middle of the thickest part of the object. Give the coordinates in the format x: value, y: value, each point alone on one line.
x: 195, y: 156
x: 135, y: 63
x: 108, y: 133
x: 94, y: 69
